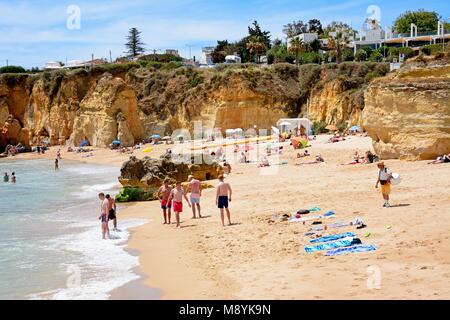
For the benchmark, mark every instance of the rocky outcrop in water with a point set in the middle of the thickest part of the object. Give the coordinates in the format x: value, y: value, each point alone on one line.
x: 407, y: 113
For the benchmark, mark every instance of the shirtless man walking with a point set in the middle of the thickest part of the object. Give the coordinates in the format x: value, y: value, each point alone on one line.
x: 177, y: 194
x: 196, y: 192
x: 163, y: 196
x: 104, y: 215
x: 223, y: 197
x: 112, y: 211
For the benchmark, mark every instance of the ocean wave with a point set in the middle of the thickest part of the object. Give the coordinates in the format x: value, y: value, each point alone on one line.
x: 100, y: 267
x: 88, y: 191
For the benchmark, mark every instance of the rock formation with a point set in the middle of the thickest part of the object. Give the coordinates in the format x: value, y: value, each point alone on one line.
x: 147, y: 175
x: 407, y: 113
x: 131, y: 102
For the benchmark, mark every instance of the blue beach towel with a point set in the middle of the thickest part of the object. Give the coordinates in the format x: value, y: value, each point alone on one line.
x: 329, y: 245
x: 355, y: 249
x: 333, y: 237
x: 329, y: 213
x: 314, y: 209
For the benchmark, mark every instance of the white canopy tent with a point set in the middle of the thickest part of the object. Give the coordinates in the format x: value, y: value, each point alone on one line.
x: 293, y: 124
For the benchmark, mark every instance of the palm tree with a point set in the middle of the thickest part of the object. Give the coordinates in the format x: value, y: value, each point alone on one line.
x: 256, y: 45
x: 338, y: 44
x: 297, y: 46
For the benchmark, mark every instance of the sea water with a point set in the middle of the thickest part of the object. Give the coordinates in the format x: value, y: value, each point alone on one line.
x: 50, y: 240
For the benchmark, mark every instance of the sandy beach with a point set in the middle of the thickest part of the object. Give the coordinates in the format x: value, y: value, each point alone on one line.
x: 257, y: 260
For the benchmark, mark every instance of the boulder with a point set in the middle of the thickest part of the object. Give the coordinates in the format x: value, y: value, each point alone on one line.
x: 407, y: 113
x: 147, y: 175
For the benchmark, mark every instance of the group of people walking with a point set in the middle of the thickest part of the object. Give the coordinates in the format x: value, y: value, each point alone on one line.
x: 171, y: 198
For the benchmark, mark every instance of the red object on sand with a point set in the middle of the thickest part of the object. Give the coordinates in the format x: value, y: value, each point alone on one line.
x: 246, y: 148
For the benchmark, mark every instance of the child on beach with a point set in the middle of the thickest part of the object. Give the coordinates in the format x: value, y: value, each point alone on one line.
x: 384, y: 178
x: 163, y: 196
x: 196, y: 192
x: 177, y: 195
x: 104, y: 215
x: 223, y: 197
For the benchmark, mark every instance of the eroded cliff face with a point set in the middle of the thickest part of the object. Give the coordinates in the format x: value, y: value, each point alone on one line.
x: 131, y: 102
x: 407, y: 113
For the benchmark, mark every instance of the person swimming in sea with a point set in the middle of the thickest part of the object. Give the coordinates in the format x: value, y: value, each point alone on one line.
x: 13, y: 177
x: 56, y: 164
x: 6, y: 177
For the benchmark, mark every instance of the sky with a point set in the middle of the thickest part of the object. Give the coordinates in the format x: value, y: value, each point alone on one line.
x: 33, y: 32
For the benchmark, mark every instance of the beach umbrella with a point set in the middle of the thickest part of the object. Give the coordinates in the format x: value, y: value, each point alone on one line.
x: 355, y: 128
x: 148, y: 150
x: 156, y: 136
x: 116, y: 142
x: 285, y: 123
x: 332, y: 127
x: 166, y: 138
x: 84, y: 143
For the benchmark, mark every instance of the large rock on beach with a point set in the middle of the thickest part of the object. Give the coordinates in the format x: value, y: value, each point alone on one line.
x: 146, y: 175
x: 407, y: 113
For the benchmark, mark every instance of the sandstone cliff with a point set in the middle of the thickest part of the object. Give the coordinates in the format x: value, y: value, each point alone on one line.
x: 407, y: 113
x: 131, y: 102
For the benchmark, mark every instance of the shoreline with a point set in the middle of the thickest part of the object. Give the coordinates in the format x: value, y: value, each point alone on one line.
x: 256, y: 260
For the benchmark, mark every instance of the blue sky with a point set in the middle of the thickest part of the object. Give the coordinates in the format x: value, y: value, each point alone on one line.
x: 32, y: 32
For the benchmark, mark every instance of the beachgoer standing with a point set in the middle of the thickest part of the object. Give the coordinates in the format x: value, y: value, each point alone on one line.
x: 58, y: 154
x: 6, y: 177
x: 384, y: 179
x: 112, y: 211
x: 163, y: 196
x: 56, y: 164
x: 196, y: 192
x: 177, y: 196
x: 104, y: 215
x: 223, y: 197
x: 13, y: 177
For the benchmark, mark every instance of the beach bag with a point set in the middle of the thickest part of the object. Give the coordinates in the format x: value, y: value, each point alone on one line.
x: 396, y: 179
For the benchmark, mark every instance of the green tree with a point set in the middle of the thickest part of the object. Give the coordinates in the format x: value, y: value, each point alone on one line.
x: 219, y: 53
x: 426, y: 21
x: 294, y: 29
x: 12, y: 69
x: 134, y: 45
x: 338, y: 44
x: 256, y: 45
x: 376, y: 56
x: 314, y: 25
x: 361, y: 55
x: 255, y: 31
x: 297, y: 46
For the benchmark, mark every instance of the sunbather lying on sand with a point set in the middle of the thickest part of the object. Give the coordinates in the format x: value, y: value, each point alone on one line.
x: 319, y: 159
x: 442, y: 159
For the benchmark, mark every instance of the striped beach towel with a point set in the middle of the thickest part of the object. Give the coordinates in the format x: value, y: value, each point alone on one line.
x: 333, y: 237
x: 354, y: 249
x: 329, y: 245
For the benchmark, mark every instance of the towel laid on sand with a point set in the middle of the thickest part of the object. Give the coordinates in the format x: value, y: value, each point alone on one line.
x: 334, y: 225
x: 354, y: 249
x: 314, y: 209
x: 330, y: 245
x: 333, y: 237
x: 294, y: 219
